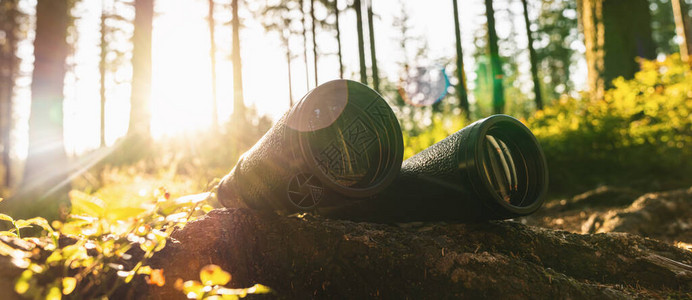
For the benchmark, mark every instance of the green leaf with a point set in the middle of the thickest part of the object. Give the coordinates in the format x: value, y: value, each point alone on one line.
x: 214, y: 275
x: 207, y: 208
x: 7, y: 233
x: 73, y: 253
x: 193, y: 289
x: 19, y: 224
x: 68, y: 285
x: 259, y: 289
x: 148, y: 245
x: 191, y: 199
x: 54, y: 257
x: 124, y: 213
x: 7, y: 218
x: 54, y: 293
x: 41, y: 222
x: 22, y: 284
x: 85, y: 203
x: 160, y: 245
x: 144, y: 270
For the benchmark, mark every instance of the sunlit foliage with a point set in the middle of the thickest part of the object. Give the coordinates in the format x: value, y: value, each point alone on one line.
x: 641, y: 130
x: 440, y: 128
x: 211, y: 286
x: 94, y: 251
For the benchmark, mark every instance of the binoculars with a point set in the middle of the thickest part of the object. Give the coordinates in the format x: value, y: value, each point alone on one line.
x: 338, y: 152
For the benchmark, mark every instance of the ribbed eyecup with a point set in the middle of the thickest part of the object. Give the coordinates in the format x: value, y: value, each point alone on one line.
x: 510, y: 173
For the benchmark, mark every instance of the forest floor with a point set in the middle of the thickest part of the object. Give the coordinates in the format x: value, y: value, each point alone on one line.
x: 665, y: 216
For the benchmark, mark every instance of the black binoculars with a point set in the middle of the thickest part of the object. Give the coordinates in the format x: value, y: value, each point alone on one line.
x: 338, y: 152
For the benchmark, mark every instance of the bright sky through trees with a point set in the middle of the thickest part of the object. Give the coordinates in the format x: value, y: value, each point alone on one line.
x: 181, y: 91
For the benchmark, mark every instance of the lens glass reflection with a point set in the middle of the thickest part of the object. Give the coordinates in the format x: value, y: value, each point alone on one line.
x: 500, y: 167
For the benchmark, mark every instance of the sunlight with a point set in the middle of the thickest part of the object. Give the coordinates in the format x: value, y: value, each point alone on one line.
x: 181, y: 98
x: 181, y: 89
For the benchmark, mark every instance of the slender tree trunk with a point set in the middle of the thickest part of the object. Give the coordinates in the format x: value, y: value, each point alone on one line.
x: 290, y: 84
x: 6, y: 91
x: 9, y: 65
x: 238, y: 102
x: 102, y: 72
x: 461, y: 86
x: 373, y: 56
x: 682, y: 29
x: 305, y: 44
x: 140, y: 114
x: 6, y: 88
x: 45, y: 184
x: 314, y: 38
x: 361, y: 44
x: 338, y: 38
x: 532, y: 57
x: 615, y: 33
x: 591, y: 12
x: 212, y: 56
x: 495, y: 63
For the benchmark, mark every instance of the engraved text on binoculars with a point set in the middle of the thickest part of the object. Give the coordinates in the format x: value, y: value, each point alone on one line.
x: 304, y: 191
x: 378, y: 108
x: 344, y: 159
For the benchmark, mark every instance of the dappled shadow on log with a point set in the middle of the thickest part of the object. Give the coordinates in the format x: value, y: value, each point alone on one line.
x: 303, y: 257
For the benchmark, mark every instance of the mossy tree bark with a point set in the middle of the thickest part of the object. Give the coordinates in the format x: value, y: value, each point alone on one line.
x: 462, y: 93
x: 538, y: 98
x: 357, y: 6
x: 212, y: 57
x: 373, y: 55
x: 9, y: 67
x: 238, y: 101
x: 495, y: 63
x: 682, y: 27
x: 45, y: 184
x: 616, y: 32
x: 140, y: 114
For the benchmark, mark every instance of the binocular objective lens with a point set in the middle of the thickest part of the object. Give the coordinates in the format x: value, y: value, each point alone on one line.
x: 500, y: 166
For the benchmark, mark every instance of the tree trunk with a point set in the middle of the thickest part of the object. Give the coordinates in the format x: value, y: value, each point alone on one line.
x: 288, y: 61
x: 305, y: 44
x: 9, y: 66
x: 462, y: 93
x: 361, y: 44
x: 532, y: 57
x: 140, y: 114
x: 495, y: 63
x: 238, y: 102
x: 102, y: 71
x: 338, y: 38
x: 314, y: 38
x: 212, y: 56
x: 373, y: 56
x: 682, y: 28
x: 615, y: 33
x: 44, y: 188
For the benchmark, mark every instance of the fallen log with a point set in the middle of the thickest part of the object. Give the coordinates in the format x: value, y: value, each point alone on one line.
x: 307, y: 257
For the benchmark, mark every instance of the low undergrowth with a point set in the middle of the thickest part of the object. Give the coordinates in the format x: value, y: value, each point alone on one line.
x: 90, y: 254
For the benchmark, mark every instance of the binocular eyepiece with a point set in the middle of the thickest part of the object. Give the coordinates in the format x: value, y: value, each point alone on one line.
x: 340, y: 141
x: 338, y: 152
x: 492, y: 169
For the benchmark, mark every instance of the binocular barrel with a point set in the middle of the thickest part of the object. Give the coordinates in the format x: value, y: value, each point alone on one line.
x: 341, y: 141
x: 491, y: 169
